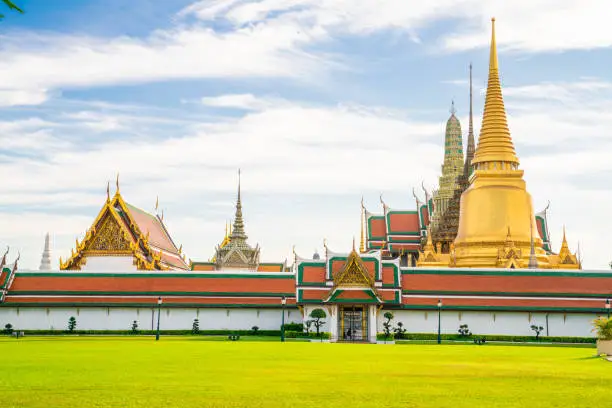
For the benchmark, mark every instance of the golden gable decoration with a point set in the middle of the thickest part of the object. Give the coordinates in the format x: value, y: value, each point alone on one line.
x: 354, y: 273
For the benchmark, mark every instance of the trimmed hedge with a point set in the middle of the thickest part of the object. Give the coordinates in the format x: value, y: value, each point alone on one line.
x: 153, y: 332
x: 298, y: 327
x: 390, y: 337
x: 516, y: 339
x: 301, y: 335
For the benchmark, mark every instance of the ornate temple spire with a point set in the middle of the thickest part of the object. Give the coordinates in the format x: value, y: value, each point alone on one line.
x: 495, y: 143
x: 45, y: 262
x: 3, y: 260
x: 238, y: 233
x: 471, y: 146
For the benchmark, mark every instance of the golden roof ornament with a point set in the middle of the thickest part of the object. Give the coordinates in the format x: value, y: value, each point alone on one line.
x: 495, y: 143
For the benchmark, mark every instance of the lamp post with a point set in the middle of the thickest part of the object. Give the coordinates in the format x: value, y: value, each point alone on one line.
x: 608, y: 307
x: 439, y: 320
x: 283, y: 302
x: 159, y: 303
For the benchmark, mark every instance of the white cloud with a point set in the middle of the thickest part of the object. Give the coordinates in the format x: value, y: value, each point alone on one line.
x: 545, y: 25
x: 274, y: 38
x: 314, y: 162
x: 242, y: 101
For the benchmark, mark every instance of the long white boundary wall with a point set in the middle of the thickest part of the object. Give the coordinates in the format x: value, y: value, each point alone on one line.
x: 480, y: 323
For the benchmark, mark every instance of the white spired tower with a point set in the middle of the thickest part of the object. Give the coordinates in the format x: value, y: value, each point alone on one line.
x: 45, y: 261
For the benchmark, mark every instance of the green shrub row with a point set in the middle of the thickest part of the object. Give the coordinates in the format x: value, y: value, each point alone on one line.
x: 518, y: 339
x: 301, y: 335
x: 153, y: 332
x: 385, y: 337
x: 298, y: 327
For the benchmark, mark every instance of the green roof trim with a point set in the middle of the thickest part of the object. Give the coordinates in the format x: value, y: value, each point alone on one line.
x: 300, y: 271
x: 369, y: 292
x: 506, y: 294
x: 370, y: 236
x: 388, y: 223
x: 364, y: 258
x: 505, y: 272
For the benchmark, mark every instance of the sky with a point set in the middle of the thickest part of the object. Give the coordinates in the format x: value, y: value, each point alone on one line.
x: 319, y: 103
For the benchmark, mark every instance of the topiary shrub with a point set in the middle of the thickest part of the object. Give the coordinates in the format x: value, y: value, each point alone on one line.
x: 537, y: 330
x: 307, y: 325
x: 317, y: 315
x: 134, y: 327
x: 387, y: 325
x: 72, y: 323
x: 255, y: 329
x: 8, y: 329
x: 195, y: 327
x: 399, y: 331
x: 464, y: 331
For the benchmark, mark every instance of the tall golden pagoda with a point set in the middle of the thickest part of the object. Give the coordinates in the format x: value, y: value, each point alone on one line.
x: 496, y: 210
x: 497, y: 227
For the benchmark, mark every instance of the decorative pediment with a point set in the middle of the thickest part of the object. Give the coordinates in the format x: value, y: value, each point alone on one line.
x: 109, y: 238
x: 115, y: 233
x: 354, y: 273
x: 509, y: 256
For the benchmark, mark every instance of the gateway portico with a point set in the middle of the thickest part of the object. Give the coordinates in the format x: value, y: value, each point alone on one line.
x: 351, y: 288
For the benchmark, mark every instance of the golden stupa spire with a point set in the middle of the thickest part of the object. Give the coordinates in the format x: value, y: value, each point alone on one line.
x: 495, y: 143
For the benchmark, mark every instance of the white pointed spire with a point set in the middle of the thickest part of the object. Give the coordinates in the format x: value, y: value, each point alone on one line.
x: 45, y: 262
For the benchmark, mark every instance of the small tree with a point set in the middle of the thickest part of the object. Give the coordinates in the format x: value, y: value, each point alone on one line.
x: 399, y: 330
x: 72, y: 324
x: 195, y: 327
x: 134, y: 327
x: 8, y: 329
x: 307, y: 325
x: 255, y: 329
x: 317, y: 315
x: 464, y: 331
x: 387, y: 324
x: 537, y: 330
x: 603, y: 328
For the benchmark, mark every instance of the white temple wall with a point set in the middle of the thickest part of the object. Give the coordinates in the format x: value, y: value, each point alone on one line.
x: 490, y: 323
x: 109, y: 264
x: 479, y: 323
x: 102, y: 318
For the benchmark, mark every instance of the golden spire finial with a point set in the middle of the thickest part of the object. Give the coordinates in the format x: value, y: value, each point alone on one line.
x: 108, y: 191
x: 117, y: 183
x: 495, y: 143
x: 156, y: 203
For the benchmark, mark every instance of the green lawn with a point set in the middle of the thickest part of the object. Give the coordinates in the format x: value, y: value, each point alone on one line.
x: 189, y: 372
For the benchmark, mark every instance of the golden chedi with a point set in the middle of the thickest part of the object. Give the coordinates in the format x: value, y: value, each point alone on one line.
x: 497, y: 227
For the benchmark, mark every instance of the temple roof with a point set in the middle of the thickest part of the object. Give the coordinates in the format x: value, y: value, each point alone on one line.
x: 124, y: 229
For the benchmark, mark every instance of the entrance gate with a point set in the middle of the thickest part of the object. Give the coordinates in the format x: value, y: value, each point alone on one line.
x: 353, y: 323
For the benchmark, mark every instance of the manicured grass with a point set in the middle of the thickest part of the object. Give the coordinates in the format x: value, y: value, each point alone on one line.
x: 190, y: 372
